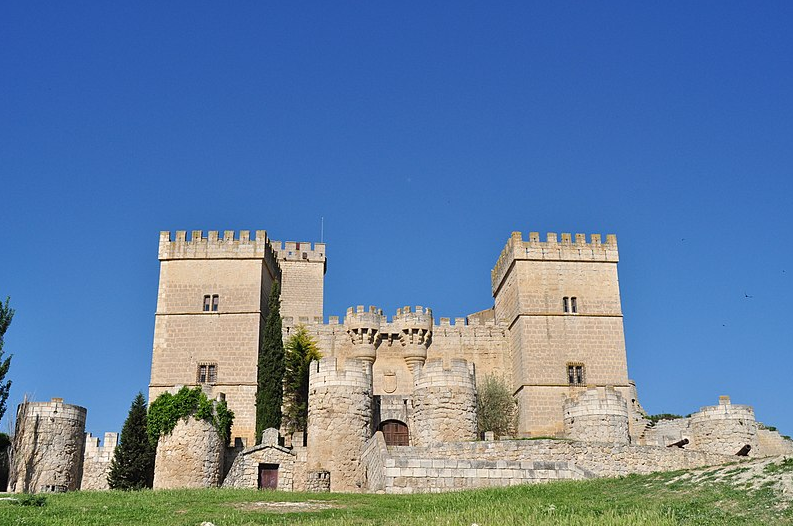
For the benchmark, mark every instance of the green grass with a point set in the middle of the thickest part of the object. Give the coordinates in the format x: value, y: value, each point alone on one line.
x: 660, y: 499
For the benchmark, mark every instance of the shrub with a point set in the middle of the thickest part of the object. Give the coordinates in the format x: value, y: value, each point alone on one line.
x: 495, y: 407
x: 167, y: 409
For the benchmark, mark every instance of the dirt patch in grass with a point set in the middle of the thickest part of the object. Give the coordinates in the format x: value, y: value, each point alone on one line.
x: 286, y: 507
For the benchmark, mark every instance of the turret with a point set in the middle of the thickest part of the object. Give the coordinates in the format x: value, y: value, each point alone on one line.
x: 363, y: 328
x: 414, y: 333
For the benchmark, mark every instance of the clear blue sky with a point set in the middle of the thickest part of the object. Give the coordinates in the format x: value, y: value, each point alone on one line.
x: 423, y: 135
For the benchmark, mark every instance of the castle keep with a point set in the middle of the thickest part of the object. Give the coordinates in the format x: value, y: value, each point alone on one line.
x: 392, y: 403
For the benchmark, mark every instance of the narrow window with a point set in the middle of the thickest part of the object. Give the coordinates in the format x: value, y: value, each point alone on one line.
x: 215, y: 302
x: 574, y: 304
x: 566, y: 304
x: 575, y: 374
x: 206, y: 303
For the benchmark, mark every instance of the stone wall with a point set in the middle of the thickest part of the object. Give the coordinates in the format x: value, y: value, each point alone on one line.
x: 190, y: 457
x: 599, y: 414
x: 444, y: 402
x: 97, y: 459
x: 339, y: 420
x: 48, y: 447
x: 450, y: 466
x: 723, y: 428
x: 772, y: 444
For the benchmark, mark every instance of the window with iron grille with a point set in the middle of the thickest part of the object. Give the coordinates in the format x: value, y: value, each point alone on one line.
x: 207, y: 373
x: 575, y: 373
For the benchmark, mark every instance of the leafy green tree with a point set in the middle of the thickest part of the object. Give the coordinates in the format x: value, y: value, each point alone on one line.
x: 132, y: 466
x: 300, y: 350
x: 495, y: 407
x: 6, y: 314
x: 270, y: 378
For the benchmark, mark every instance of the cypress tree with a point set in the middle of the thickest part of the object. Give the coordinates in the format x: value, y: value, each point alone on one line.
x: 269, y: 389
x: 132, y: 466
x: 6, y: 315
x: 301, y: 349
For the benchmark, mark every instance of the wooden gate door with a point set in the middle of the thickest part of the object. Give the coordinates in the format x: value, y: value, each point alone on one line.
x: 395, y: 433
x: 268, y: 476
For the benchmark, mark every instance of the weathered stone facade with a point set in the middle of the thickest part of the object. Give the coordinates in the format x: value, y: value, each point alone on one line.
x: 191, y: 456
x: 96, y: 462
x: 49, y: 441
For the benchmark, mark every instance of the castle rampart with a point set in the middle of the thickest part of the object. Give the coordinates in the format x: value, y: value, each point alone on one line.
x: 97, y: 459
x: 49, y: 442
x: 553, y: 250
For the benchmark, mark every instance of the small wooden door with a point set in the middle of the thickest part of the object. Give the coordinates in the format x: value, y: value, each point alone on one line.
x: 268, y: 476
x: 395, y: 433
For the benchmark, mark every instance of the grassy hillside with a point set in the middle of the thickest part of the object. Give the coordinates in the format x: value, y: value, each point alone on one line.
x: 759, y: 492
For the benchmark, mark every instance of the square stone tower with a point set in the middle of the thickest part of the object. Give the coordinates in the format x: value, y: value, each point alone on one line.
x: 211, y: 304
x: 561, y: 302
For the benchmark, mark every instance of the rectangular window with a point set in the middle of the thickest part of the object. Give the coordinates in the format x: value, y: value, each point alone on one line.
x: 575, y: 374
x: 215, y: 302
x: 206, y: 303
x: 574, y: 304
x: 207, y: 373
x: 566, y: 304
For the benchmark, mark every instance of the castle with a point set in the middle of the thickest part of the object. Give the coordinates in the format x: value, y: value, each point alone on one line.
x: 393, y: 402
x: 555, y: 328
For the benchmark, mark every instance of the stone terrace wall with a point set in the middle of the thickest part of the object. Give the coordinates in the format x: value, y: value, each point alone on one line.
x: 460, y: 465
x: 190, y: 457
x: 772, y: 443
x: 96, y: 463
x: 48, y: 447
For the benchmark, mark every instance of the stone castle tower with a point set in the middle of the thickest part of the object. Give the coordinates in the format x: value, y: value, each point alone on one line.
x: 211, y: 305
x: 561, y: 303
x: 555, y: 328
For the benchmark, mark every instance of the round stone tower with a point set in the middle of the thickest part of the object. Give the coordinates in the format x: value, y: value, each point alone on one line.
x: 191, y: 456
x: 49, y: 442
x: 339, y: 419
x: 599, y: 414
x: 444, y: 402
x: 724, y: 428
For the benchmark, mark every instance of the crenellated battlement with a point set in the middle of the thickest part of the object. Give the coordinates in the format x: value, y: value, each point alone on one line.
x: 435, y: 370
x: 299, y: 251
x: 359, y: 316
x: 231, y: 245
x: 333, y: 372
x: 568, y: 248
